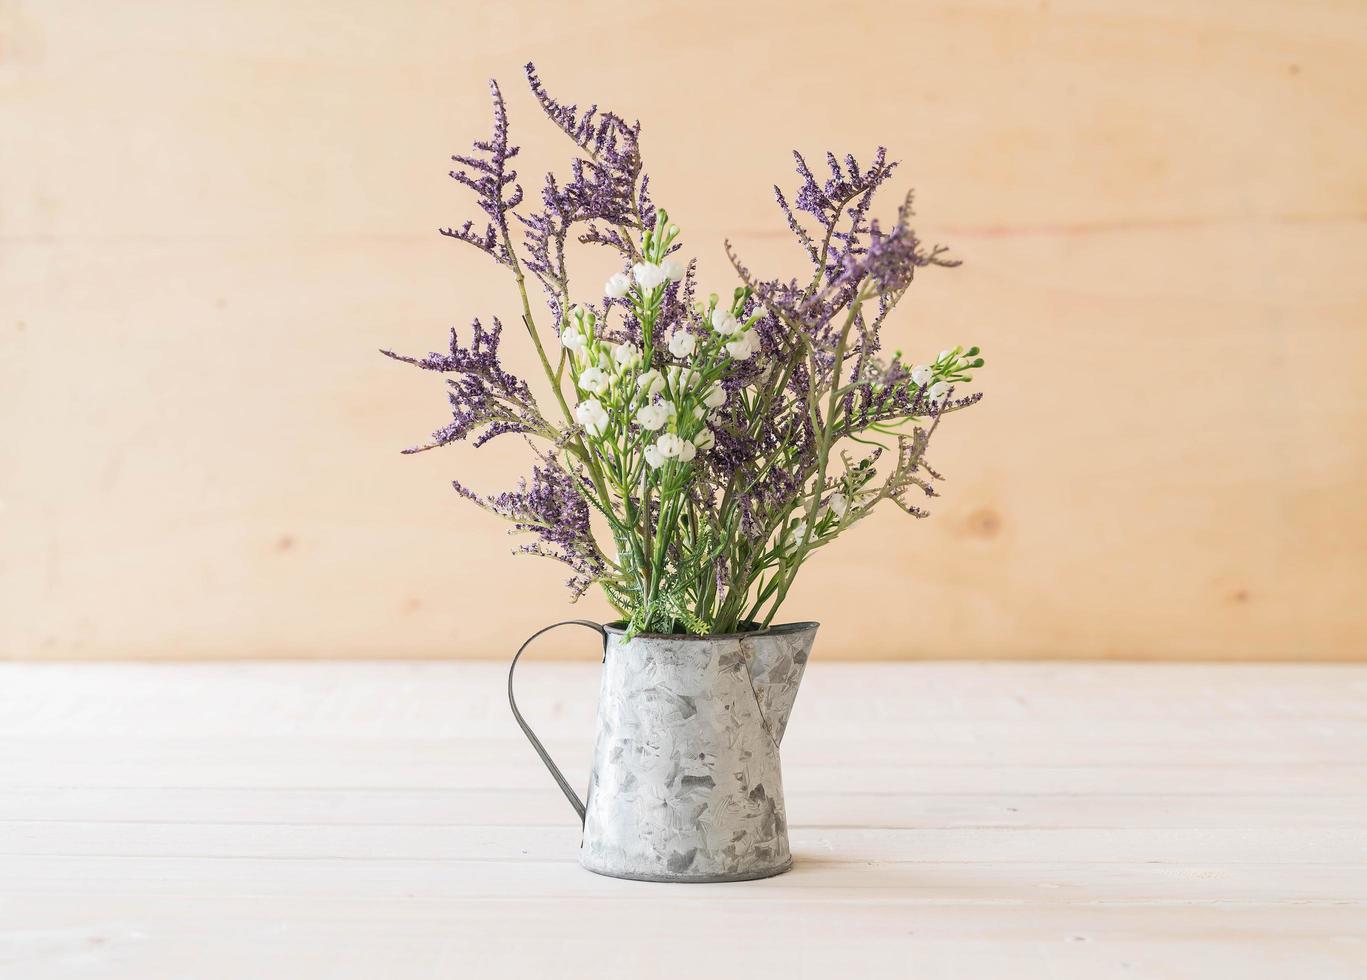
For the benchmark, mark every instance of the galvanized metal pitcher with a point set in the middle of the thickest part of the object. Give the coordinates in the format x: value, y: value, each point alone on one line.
x: 686, y: 784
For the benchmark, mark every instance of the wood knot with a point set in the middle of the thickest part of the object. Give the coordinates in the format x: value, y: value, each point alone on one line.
x: 983, y: 523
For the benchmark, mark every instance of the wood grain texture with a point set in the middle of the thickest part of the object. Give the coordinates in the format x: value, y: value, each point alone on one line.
x: 212, y: 214
x: 1159, y: 822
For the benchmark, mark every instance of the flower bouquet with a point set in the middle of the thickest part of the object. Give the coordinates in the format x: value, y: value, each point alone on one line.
x: 699, y: 448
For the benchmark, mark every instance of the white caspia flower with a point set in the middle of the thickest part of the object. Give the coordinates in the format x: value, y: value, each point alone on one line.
x: 937, y: 390
x: 572, y: 338
x: 838, y: 503
x: 593, y: 380
x: 724, y: 323
x: 743, y: 346
x: 682, y: 343
x: 627, y: 356
x: 797, y: 534
x: 653, y: 416
x: 592, y: 416
x: 673, y: 269
x: 681, y: 379
x: 653, y: 457
x: 670, y: 445
x: 705, y: 440
x: 650, y: 384
x: 687, y: 453
x: 715, y: 397
x: 921, y: 375
x: 617, y: 286
x: 648, y: 275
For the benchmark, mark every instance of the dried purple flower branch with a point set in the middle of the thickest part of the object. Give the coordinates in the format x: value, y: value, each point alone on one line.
x: 489, y: 177
x: 483, y: 393
x: 552, y: 508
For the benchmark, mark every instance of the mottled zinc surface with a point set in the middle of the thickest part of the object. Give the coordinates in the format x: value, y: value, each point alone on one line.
x: 686, y: 782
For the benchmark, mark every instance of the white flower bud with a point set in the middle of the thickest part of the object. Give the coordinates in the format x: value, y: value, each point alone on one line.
x: 743, y: 346
x: 653, y: 416
x: 572, y: 338
x: 593, y: 380
x: 682, y: 379
x: 592, y: 416
x: 699, y: 412
x: 617, y: 286
x: 937, y: 390
x: 673, y: 269
x: 627, y: 356
x: 682, y: 343
x: 687, y: 453
x: 653, y: 457
x: 921, y: 375
x: 944, y: 354
x: 648, y: 275
x: 715, y: 397
x: 705, y: 440
x: 669, y: 445
x: 724, y: 323
x: 650, y: 384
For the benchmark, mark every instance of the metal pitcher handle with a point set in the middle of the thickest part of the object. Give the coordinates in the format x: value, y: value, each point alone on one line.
x: 555, y: 772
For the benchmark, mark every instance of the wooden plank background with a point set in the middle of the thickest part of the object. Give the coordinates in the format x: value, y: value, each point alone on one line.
x: 212, y: 214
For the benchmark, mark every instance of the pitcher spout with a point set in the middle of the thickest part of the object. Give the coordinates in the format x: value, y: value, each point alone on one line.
x: 776, y: 659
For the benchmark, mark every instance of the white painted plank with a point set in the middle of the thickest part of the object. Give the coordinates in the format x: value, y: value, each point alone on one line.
x: 493, y: 765
x: 433, y: 699
x: 621, y: 939
x: 815, y: 878
x: 1337, y: 847
x: 410, y: 806
x: 341, y: 761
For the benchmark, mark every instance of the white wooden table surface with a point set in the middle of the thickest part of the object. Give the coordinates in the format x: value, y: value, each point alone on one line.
x: 949, y: 820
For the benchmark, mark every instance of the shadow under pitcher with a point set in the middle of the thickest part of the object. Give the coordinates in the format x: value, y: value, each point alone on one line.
x: 686, y: 783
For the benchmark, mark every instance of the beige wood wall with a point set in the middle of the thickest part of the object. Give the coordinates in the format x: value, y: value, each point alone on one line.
x: 212, y: 214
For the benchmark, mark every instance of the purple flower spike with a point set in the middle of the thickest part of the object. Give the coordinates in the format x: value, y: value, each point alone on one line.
x: 606, y: 192
x: 553, y: 510
x: 481, y: 394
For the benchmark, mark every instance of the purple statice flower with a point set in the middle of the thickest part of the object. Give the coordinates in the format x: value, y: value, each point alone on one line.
x: 606, y: 192
x: 839, y: 204
x: 891, y: 260
x: 742, y: 443
x: 551, y: 507
x: 611, y: 185
x: 793, y: 305
x: 544, y: 244
x: 486, y: 400
x: 486, y: 172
